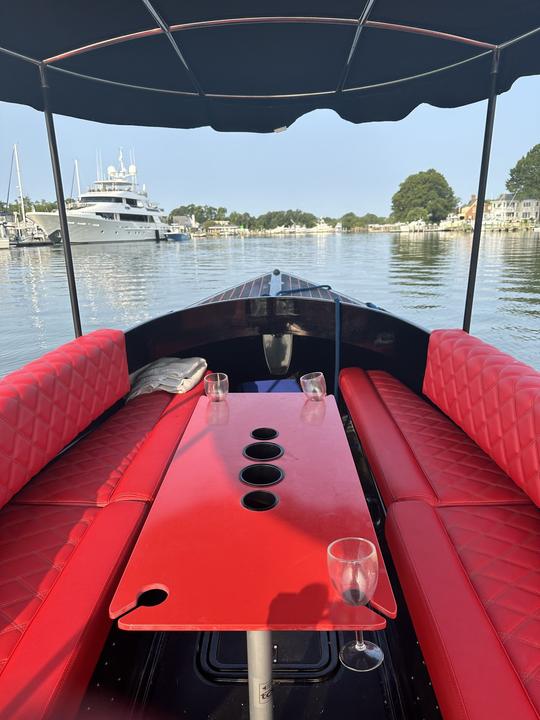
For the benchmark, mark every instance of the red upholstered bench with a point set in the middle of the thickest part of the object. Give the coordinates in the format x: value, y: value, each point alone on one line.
x: 471, y: 579
x: 67, y: 523
x: 415, y: 451
x: 461, y: 478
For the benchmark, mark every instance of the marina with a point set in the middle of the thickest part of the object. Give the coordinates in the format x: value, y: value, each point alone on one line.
x: 421, y: 277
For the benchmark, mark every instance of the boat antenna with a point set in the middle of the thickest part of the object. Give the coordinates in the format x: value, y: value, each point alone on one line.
x: 78, y: 179
x: 121, y: 161
x: 134, y: 165
x: 19, y: 183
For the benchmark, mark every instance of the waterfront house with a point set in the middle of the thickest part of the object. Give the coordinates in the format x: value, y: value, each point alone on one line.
x: 185, y: 223
x: 507, y: 209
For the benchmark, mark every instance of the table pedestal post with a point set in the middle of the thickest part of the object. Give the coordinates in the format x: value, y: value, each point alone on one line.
x: 259, y: 654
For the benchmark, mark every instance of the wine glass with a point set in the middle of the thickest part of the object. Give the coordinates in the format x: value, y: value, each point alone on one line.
x: 216, y: 386
x: 313, y: 385
x: 354, y: 570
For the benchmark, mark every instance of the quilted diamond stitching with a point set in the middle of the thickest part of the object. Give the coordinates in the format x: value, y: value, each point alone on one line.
x: 45, y: 404
x: 35, y: 545
x: 89, y: 472
x: 500, y: 550
x: 493, y: 397
x: 457, y: 469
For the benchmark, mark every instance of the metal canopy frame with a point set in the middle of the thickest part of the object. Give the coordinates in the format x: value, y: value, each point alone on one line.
x: 171, y: 30
x: 481, y: 196
x: 49, y: 64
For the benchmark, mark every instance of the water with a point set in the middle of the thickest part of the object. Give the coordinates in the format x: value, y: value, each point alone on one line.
x: 420, y: 278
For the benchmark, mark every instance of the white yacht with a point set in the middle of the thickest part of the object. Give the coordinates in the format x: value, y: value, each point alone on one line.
x: 112, y: 210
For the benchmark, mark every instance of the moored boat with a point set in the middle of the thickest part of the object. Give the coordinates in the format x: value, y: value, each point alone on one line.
x: 113, y: 209
x: 177, y: 236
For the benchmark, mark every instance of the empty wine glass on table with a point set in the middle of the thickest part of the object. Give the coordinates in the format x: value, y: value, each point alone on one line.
x: 216, y: 386
x: 313, y: 385
x: 354, y: 571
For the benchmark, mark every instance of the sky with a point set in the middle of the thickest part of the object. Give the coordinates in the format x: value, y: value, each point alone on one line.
x: 321, y: 164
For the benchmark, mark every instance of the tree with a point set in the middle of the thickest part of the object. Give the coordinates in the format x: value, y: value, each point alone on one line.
x: 426, y: 191
x: 286, y: 218
x: 202, y: 213
x: 243, y: 220
x: 417, y: 213
x: 371, y: 219
x: 349, y: 221
x: 46, y: 205
x: 524, y: 180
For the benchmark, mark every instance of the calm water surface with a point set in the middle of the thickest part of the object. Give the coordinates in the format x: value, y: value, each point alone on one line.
x: 421, y: 278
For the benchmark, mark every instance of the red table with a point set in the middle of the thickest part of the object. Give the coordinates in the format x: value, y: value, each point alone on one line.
x: 228, y: 568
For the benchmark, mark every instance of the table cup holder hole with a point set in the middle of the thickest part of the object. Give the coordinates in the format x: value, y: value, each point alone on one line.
x: 261, y: 474
x: 152, y: 597
x: 263, y: 451
x: 264, y: 433
x: 259, y: 501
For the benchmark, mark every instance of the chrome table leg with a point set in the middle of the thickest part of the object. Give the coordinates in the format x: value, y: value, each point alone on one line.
x: 259, y: 654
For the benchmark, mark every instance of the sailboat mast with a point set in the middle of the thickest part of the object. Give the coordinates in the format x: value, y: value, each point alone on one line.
x: 19, y: 183
x: 77, y: 179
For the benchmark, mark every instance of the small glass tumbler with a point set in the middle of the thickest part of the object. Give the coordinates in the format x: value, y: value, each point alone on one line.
x: 314, y: 385
x: 216, y: 386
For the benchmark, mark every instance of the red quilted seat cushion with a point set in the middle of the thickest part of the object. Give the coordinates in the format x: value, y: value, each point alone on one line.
x: 35, y: 545
x: 494, y: 398
x: 145, y: 473
x: 123, y: 459
x: 500, y: 551
x: 48, y: 402
x: 58, y: 569
x: 415, y: 451
x: 479, y: 632
x: 89, y: 472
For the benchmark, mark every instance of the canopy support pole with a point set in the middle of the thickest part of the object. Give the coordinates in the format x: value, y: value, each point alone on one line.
x: 481, y: 197
x: 64, y: 230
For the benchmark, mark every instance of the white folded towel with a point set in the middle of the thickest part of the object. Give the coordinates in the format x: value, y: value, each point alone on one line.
x: 174, y: 375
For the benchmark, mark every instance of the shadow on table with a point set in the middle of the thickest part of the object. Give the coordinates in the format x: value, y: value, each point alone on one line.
x: 298, y: 610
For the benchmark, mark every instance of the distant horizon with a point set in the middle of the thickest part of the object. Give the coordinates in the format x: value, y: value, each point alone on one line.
x: 321, y: 164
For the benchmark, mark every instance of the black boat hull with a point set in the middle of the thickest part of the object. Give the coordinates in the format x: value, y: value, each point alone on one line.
x: 229, y: 335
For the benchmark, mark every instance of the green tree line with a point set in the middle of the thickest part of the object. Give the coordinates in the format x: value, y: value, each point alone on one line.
x: 207, y: 214
x: 425, y: 195
x: 29, y: 205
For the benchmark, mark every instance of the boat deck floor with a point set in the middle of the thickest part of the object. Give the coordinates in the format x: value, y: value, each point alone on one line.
x: 165, y: 680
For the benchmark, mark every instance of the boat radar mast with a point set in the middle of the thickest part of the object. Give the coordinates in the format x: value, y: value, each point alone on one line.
x: 120, y: 175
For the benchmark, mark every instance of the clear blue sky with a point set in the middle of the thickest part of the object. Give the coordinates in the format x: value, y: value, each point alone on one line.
x: 321, y: 164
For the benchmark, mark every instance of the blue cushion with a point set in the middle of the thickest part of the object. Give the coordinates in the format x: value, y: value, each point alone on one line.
x: 264, y: 386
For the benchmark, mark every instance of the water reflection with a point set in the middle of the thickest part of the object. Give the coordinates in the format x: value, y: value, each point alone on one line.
x: 521, y: 263
x: 422, y: 278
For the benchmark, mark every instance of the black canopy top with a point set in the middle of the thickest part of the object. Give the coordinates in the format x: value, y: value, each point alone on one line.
x: 259, y: 65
